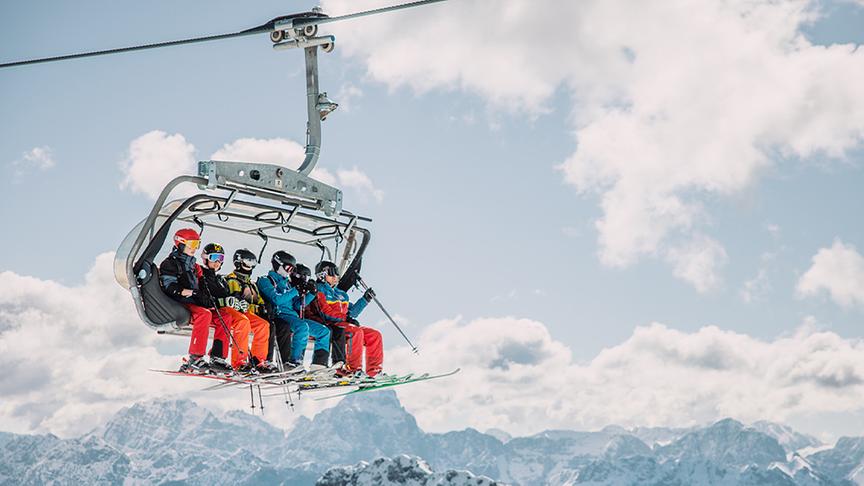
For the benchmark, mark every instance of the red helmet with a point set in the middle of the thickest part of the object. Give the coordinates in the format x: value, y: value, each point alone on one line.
x: 187, y: 236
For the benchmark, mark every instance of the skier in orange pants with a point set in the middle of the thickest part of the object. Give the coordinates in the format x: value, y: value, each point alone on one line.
x: 247, y: 306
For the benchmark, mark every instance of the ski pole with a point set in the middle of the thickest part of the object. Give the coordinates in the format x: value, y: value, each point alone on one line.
x: 281, y: 367
x: 393, y: 321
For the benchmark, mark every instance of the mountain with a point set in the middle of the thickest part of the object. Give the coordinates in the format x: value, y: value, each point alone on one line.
x: 726, y: 443
x: 178, y: 442
x: 359, y: 428
x: 5, y: 437
x: 657, y: 435
x: 398, y: 471
x: 499, y: 434
x: 787, y: 437
x: 42, y: 459
x: 844, y: 461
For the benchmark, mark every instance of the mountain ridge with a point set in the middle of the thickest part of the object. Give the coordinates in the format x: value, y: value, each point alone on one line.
x: 177, y: 440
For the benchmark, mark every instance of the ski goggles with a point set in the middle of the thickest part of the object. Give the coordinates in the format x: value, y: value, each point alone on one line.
x: 191, y: 244
x: 329, y: 272
x: 249, y: 263
x: 215, y: 257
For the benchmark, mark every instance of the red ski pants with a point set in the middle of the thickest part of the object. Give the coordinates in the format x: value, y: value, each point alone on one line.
x: 202, y: 320
x: 243, y: 325
x: 358, y: 338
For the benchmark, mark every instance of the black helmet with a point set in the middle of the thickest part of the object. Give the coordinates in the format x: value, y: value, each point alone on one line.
x: 326, y: 268
x: 301, y: 274
x: 213, y: 252
x: 245, y: 260
x: 282, y: 259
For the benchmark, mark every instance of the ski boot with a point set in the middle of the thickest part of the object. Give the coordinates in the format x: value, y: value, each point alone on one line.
x: 220, y: 366
x: 247, y: 369
x: 195, y: 364
x: 266, y: 367
x: 293, y: 367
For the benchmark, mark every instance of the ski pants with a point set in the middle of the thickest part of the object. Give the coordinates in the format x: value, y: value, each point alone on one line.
x: 357, y: 339
x: 244, y: 323
x: 202, y: 320
x: 292, y: 333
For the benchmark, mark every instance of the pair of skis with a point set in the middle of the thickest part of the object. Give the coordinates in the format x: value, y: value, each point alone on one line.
x: 308, y: 382
x: 376, y: 386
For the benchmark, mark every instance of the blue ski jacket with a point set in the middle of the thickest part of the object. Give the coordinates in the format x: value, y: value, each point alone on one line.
x: 284, y: 298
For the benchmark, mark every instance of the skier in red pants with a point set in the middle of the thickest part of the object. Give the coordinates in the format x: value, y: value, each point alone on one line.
x: 332, y: 307
x: 182, y: 279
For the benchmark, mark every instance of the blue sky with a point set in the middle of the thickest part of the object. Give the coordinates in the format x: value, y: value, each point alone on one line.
x: 476, y: 218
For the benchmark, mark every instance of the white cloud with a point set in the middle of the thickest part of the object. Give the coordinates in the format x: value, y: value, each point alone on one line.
x: 516, y: 377
x: 154, y: 159
x: 698, y: 262
x: 839, y: 271
x: 272, y: 151
x: 360, y: 182
x: 353, y: 179
x: 36, y: 159
x: 671, y: 103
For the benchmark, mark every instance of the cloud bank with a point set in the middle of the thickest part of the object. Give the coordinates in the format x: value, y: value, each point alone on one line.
x: 516, y: 377
x: 75, y: 355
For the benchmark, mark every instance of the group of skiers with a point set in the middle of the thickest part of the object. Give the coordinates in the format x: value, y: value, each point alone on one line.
x: 281, y: 310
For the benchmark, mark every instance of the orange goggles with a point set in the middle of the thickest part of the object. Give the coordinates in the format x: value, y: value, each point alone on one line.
x: 192, y: 244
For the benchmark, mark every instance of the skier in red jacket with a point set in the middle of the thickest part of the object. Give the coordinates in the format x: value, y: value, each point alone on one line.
x: 332, y: 307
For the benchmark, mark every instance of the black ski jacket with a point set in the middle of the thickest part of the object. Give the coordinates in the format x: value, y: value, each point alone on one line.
x: 179, y: 272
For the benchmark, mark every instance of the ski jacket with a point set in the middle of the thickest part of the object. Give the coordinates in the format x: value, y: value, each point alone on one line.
x: 238, y: 282
x: 177, y: 272
x: 279, y: 293
x: 332, y: 305
x: 215, y: 287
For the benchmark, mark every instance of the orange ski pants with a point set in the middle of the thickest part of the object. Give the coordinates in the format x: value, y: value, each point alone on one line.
x: 243, y: 325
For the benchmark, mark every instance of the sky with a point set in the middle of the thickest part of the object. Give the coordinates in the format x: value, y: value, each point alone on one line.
x: 659, y: 202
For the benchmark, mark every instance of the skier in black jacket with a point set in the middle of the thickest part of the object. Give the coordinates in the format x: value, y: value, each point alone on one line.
x: 183, y: 280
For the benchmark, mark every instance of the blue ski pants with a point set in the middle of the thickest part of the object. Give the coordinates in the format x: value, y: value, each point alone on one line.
x: 301, y: 329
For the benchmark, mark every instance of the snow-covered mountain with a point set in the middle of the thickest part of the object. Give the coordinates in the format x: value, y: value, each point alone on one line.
x: 178, y: 441
x: 400, y: 470
x: 844, y: 460
x: 788, y: 438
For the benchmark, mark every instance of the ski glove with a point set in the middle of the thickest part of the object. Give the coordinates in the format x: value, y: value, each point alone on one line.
x: 369, y: 295
x: 310, y: 287
x: 238, y: 304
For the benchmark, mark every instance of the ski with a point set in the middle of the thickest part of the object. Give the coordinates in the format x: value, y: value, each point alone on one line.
x: 278, y: 379
x: 222, y: 378
x: 364, y: 387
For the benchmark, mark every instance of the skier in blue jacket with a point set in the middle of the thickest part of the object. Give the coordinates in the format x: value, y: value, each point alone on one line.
x: 287, y: 303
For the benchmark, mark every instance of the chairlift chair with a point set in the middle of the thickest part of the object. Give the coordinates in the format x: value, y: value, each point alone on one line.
x: 259, y: 202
